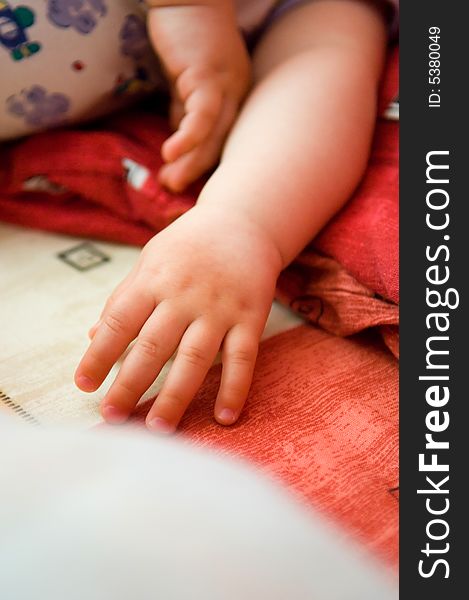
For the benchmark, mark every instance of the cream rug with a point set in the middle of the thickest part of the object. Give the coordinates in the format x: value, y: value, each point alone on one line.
x: 52, y: 289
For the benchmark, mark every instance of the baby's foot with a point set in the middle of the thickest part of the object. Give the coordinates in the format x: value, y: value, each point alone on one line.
x: 208, y: 68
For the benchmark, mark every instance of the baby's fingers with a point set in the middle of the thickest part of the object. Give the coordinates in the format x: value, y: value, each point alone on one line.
x: 122, y: 287
x: 239, y: 355
x: 202, y: 109
x: 177, y: 175
x: 197, y: 351
x: 119, y: 326
x: 157, y: 341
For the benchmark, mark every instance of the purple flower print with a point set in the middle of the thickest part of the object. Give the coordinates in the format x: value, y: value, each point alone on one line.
x: 81, y: 15
x: 39, y: 108
x: 133, y: 36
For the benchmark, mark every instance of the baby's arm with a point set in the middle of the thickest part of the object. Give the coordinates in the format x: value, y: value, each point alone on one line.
x: 296, y: 153
x: 208, y: 68
x: 301, y: 143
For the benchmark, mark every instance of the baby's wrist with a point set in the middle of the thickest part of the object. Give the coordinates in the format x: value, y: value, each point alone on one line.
x: 234, y: 218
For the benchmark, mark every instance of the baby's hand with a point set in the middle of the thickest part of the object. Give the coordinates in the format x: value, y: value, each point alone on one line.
x: 205, y: 282
x: 208, y: 69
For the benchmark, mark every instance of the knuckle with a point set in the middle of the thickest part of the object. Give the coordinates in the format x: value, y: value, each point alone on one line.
x: 109, y: 302
x: 185, y: 283
x: 207, y: 113
x: 206, y: 103
x: 234, y: 394
x: 94, y: 357
x: 113, y: 297
x: 242, y: 356
x: 194, y: 356
x: 118, y: 291
x: 148, y: 348
x: 174, y: 399
x: 192, y: 77
x: 115, y: 322
x: 125, y: 387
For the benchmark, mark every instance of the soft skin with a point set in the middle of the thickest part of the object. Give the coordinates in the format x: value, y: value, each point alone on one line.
x: 208, y: 69
x: 295, y: 153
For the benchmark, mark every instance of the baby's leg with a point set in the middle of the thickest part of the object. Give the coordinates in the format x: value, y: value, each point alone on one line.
x: 64, y: 61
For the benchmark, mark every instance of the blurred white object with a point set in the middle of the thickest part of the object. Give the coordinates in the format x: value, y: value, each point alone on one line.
x: 127, y: 516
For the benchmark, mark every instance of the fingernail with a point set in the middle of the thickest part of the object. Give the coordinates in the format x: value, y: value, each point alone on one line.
x: 159, y: 425
x: 114, y: 415
x: 227, y: 416
x: 85, y: 383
